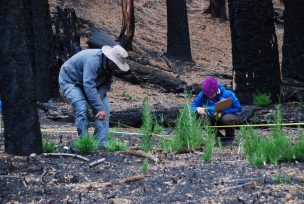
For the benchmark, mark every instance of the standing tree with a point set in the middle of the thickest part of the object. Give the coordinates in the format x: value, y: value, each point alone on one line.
x: 43, y: 56
x: 128, y: 24
x: 254, y: 49
x: 293, y: 50
x: 217, y: 9
x: 178, y: 41
x: 22, y: 134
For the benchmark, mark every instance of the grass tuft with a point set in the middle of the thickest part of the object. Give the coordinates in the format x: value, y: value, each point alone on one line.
x: 147, y: 126
x: 49, y: 147
x: 261, y: 99
x: 86, y: 145
x: 113, y: 146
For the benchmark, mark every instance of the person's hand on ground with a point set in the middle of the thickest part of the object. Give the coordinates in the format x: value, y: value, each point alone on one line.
x: 201, y: 111
x: 101, y: 115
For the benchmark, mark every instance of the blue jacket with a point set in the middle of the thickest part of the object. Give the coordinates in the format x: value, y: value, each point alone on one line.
x: 223, y: 93
x: 87, y: 69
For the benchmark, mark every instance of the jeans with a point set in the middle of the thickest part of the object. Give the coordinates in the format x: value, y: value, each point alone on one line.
x: 77, y: 98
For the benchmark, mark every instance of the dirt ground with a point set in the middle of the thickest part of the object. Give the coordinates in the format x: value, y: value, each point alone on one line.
x: 175, y: 178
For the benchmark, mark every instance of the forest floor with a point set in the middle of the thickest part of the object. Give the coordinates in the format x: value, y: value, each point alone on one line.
x: 174, y: 178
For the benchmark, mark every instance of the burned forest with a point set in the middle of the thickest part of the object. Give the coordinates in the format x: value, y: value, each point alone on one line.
x: 123, y: 101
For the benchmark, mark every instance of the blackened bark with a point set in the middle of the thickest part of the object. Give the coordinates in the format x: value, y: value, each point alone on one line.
x: 217, y: 9
x: 43, y: 54
x: 22, y: 134
x: 254, y: 49
x: 293, y: 50
x: 178, y: 41
x: 66, y: 42
x: 128, y: 24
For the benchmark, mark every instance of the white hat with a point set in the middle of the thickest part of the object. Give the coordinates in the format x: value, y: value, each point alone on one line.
x: 118, y: 55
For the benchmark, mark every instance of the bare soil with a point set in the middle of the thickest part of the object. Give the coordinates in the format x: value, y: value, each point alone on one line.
x: 176, y: 178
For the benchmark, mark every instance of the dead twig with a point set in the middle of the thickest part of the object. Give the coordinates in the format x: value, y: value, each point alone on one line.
x: 96, y: 162
x: 9, y: 176
x: 140, y: 153
x: 133, y: 178
x: 251, y: 183
x: 66, y: 154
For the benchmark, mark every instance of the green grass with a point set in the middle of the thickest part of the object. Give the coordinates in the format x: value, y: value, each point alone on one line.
x: 86, y: 145
x: 188, y: 132
x: 275, y: 148
x: 113, y: 146
x: 262, y: 100
x: 147, y: 127
x: 49, y: 147
x: 127, y: 96
x: 145, y: 166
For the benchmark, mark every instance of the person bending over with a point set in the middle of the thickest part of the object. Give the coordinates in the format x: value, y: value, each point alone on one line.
x: 84, y: 80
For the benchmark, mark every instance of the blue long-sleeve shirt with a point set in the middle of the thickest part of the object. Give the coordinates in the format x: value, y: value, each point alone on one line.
x: 202, y: 101
x: 87, y: 68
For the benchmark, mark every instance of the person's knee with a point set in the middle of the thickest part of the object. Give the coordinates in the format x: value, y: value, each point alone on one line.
x: 230, y: 119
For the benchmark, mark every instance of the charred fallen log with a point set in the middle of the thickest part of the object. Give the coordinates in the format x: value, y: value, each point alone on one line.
x: 140, y: 73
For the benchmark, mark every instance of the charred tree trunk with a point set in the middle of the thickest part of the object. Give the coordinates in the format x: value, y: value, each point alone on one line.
x: 22, y: 134
x: 254, y: 49
x: 217, y: 9
x: 66, y: 40
x: 293, y: 50
x: 178, y: 41
x: 128, y: 24
x: 43, y: 37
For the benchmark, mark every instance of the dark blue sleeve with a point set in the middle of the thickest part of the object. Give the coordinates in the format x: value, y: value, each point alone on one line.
x: 235, y: 107
x: 198, y: 101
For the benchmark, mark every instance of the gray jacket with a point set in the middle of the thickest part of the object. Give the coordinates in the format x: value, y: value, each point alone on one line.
x: 88, y: 70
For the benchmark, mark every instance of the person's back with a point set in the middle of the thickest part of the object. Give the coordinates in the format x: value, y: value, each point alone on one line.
x: 85, y: 59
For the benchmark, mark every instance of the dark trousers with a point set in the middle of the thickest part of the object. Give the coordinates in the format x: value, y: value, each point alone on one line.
x: 228, y: 119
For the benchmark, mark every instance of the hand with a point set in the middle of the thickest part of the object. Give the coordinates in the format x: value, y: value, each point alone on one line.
x: 218, y: 114
x: 101, y: 115
x: 201, y: 111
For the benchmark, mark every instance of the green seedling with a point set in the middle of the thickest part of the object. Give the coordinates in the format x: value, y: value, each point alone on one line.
x: 127, y: 96
x: 147, y: 127
x: 277, y: 178
x: 145, y: 166
x: 288, y: 179
x: 86, y: 145
x: 49, y: 147
x: 261, y: 99
x: 113, y: 146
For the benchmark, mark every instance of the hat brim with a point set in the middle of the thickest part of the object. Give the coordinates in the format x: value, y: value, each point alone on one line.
x: 107, y: 51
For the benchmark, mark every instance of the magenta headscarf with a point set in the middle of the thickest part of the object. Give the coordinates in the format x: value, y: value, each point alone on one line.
x: 209, y: 86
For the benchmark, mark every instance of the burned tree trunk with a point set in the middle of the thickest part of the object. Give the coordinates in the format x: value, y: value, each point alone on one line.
x: 178, y: 41
x: 217, y: 9
x: 43, y: 38
x: 293, y: 50
x: 22, y: 134
x: 128, y: 24
x: 66, y: 42
x: 254, y: 49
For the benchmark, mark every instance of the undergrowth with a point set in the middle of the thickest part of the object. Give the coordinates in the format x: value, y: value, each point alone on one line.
x: 113, y: 145
x: 260, y: 99
x: 275, y: 148
x: 188, y: 132
x: 147, y: 126
x: 86, y: 145
x: 48, y: 147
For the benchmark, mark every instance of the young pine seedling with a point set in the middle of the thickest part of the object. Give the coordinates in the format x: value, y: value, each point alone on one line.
x: 145, y: 166
x: 48, y: 147
x: 113, y: 146
x: 86, y: 145
x: 261, y: 99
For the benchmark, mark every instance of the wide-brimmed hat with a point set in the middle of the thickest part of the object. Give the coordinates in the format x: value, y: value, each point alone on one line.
x: 209, y: 86
x: 118, y: 55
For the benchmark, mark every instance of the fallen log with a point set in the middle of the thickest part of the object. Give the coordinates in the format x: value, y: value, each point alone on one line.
x: 140, y: 73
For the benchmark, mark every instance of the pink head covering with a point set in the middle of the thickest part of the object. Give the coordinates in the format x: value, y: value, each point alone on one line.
x: 209, y: 86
